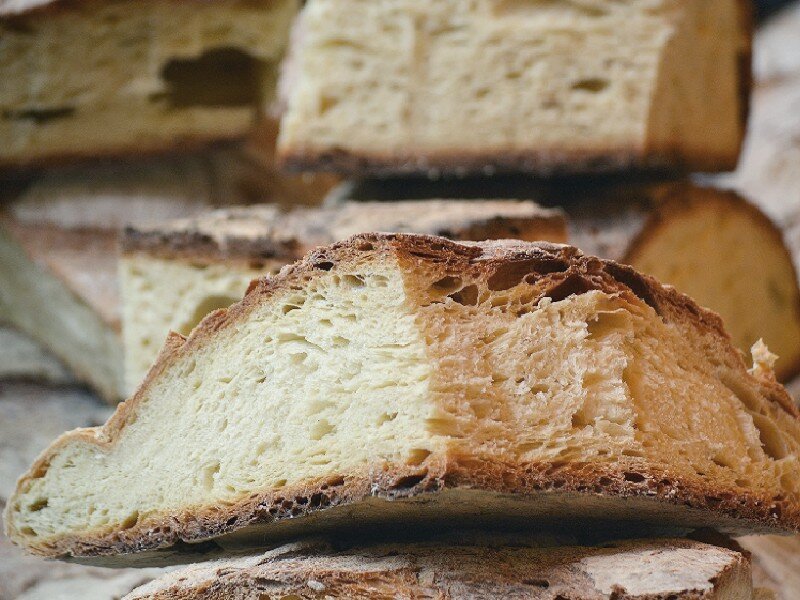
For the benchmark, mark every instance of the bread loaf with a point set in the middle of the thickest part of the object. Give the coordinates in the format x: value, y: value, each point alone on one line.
x: 396, y: 377
x: 546, y: 87
x: 639, y: 570
x: 87, y: 79
x: 173, y: 275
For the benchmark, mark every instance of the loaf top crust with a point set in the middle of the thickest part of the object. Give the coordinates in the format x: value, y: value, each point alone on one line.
x: 653, y: 569
x: 266, y: 232
x: 552, y: 272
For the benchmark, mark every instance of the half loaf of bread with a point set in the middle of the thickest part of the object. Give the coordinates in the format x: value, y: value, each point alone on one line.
x: 174, y: 274
x: 462, y: 86
x: 87, y: 78
x: 639, y: 570
x: 393, y: 377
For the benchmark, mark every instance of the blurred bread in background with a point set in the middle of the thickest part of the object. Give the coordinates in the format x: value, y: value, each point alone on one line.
x: 545, y: 87
x: 94, y: 79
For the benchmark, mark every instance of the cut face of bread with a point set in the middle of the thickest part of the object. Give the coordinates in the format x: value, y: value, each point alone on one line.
x: 401, y: 377
x: 142, y: 75
x: 174, y: 275
x: 646, y: 570
x: 461, y: 86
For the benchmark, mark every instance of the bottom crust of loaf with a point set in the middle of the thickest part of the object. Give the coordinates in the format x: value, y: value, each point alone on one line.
x: 487, y: 567
x: 550, y: 497
x: 542, y: 162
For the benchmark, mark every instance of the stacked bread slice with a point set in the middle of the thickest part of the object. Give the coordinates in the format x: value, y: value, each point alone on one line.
x: 97, y: 79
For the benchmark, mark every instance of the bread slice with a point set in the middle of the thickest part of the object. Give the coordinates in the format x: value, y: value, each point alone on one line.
x: 543, y: 87
x: 59, y: 237
x: 95, y: 79
x: 642, y: 569
x: 684, y: 234
x: 395, y: 376
x: 174, y: 274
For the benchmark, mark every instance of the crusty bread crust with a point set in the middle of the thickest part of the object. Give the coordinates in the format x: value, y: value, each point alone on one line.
x: 566, y: 161
x: 473, y: 488
x: 263, y: 232
x: 469, y: 569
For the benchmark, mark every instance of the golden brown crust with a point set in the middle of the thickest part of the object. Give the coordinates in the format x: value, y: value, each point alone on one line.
x: 548, y: 163
x: 626, y: 492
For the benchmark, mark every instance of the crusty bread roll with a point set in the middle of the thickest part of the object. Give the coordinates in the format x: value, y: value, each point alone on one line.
x: 92, y: 79
x: 638, y: 570
x: 462, y: 86
x: 173, y: 274
x: 396, y: 376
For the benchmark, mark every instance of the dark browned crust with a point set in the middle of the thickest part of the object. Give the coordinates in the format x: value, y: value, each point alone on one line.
x: 634, y: 492
x: 10, y: 9
x: 547, y: 163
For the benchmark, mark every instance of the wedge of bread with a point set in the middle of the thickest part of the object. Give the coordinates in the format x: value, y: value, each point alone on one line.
x: 643, y: 570
x: 173, y: 275
x: 96, y: 79
x: 684, y: 234
x: 544, y: 87
x: 395, y: 376
x: 59, y: 247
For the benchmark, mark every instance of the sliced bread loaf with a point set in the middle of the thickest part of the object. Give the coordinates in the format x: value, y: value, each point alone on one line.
x: 99, y: 78
x: 174, y: 274
x: 393, y: 377
x: 639, y: 570
x: 461, y: 86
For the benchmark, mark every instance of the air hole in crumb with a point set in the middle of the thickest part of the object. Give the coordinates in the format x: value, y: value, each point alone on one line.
x: 606, y: 323
x: 579, y: 420
x: 634, y: 477
x: 591, y: 84
x: 409, y: 481
x: 353, y: 281
x: 771, y: 438
x: 572, y: 285
x: 38, y: 505
x: 320, y: 429
x: 324, y: 266
x: 217, y: 78
x: 40, y: 116
x: 510, y: 274
x: 417, y: 456
x: 209, y: 475
x: 467, y: 296
x: 447, y: 285
x: 130, y: 520
x: 386, y: 417
x: 542, y: 583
